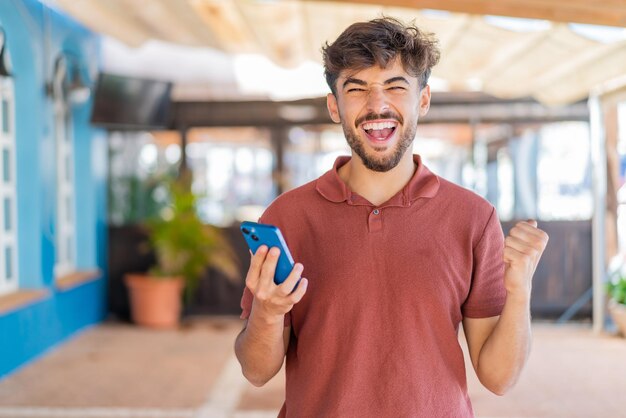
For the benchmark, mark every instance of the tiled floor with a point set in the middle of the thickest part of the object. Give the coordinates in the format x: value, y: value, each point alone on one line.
x: 118, y: 370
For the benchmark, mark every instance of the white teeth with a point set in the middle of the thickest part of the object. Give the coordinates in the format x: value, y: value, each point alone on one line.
x: 378, y: 126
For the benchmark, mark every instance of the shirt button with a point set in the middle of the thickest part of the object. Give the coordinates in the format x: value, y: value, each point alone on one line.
x: 376, y: 212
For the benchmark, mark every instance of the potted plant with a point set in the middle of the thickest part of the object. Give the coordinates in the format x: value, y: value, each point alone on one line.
x: 184, y: 247
x: 616, y: 288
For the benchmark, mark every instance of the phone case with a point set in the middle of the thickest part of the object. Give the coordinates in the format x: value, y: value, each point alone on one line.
x: 257, y: 234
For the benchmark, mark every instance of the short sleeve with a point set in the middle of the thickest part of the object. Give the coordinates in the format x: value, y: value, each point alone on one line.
x: 487, y: 292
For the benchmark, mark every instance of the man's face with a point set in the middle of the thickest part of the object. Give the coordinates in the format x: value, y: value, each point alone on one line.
x: 378, y: 109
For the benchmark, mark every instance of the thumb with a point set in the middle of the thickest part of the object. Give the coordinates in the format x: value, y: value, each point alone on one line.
x: 532, y: 222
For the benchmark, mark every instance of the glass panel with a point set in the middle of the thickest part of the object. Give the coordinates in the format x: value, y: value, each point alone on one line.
x: 68, y: 127
x: 69, y: 249
x: 621, y: 182
x: 6, y: 165
x: 564, y: 172
x: 5, y: 116
x: 68, y: 168
x: 7, y: 214
x: 506, y: 185
x: 8, y: 263
x: 68, y: 208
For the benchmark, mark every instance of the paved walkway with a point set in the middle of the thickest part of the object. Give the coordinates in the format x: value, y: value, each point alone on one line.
x: 118, y: 370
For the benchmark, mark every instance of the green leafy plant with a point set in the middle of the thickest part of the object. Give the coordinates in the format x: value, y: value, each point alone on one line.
x: 616, y: 286
x: 183, y: 245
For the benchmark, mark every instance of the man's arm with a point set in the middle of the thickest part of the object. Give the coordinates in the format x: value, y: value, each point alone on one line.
x: 499, y: 346
x: 261, y: 351
x: 261, y: 346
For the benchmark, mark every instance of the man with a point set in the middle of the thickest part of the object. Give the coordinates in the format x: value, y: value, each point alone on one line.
x: 395, y: 258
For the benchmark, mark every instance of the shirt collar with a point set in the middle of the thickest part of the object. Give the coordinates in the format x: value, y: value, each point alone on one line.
x: 423, y: 184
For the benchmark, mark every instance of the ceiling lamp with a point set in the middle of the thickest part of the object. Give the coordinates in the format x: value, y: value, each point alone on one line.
x: 67, y: 82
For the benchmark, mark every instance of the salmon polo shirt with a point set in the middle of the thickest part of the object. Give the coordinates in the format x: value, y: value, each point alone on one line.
x: 376, y: 334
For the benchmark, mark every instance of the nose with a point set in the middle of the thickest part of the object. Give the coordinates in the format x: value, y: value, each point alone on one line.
x: 377, y: 100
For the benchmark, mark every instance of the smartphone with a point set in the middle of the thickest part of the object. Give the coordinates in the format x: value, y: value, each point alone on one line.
x: 257, y: 234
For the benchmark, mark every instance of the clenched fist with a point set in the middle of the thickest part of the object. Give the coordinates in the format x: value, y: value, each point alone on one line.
x: 523, y: 248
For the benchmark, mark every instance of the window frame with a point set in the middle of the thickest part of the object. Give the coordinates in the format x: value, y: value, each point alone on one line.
x: 8, y: 190
x: 65, y: 231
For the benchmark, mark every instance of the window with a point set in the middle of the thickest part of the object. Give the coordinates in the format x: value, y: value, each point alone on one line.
x: 8, y: 194
x: 506, y: 185
x: 65, y: 219
x: 231, y: 172
x: 310, y: 152
x: 621, y: 192
x: 564, y: 172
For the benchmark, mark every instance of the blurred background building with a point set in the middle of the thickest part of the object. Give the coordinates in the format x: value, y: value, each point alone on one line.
x: 101, y: 101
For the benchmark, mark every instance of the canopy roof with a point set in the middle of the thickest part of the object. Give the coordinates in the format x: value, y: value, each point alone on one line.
x: 543, y: 59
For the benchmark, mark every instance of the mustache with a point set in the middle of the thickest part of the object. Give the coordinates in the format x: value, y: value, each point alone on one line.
x: 376, y: 116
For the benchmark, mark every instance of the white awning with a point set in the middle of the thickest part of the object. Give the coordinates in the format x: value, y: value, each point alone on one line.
x: 546, y: 60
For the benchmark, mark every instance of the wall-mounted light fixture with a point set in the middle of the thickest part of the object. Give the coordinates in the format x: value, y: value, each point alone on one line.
x: 4, y: 70
x: 67, y: 82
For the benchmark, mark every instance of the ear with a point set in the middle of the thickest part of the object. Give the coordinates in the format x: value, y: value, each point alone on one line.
x: 424, y: 100
x: 333, y: 108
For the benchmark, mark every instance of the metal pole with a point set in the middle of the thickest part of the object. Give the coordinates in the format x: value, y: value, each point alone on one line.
x: 183, y: 169
x: 598, y: 160
x: 280, y: 136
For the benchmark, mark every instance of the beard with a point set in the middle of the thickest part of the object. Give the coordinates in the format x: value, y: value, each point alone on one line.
x: 386, y: 162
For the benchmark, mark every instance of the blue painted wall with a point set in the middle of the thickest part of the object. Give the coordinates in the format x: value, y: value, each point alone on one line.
x: 35, y: 36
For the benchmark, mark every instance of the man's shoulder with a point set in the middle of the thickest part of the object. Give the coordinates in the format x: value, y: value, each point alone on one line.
x: 463, y: 198
x: 467, y: 212
x: 305, y: 192
x: 293, y: 199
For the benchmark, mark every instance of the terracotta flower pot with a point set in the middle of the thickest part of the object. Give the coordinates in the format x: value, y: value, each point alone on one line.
x: 618, y: 313
x: 155, y: 302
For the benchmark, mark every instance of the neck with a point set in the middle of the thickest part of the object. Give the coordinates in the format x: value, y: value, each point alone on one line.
x: 375, y: 186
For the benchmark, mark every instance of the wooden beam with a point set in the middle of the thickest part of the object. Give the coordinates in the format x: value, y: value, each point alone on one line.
x: 251, y: 113
x: 445, y: 108
x: 598, y: 12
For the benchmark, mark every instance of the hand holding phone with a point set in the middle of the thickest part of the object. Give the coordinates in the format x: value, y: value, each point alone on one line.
x: 257, y: 234
x: 273, y: 296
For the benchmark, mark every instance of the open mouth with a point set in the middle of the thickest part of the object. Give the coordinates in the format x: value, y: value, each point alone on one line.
x: 379, y: 131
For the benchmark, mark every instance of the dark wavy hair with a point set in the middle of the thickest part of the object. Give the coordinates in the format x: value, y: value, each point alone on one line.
x: 379, y: 42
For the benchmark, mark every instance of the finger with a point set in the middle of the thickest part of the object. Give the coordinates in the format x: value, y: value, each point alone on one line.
x: 529, y: 233
x: 269, y: 267
x: 512, y: 256
x: 289, y: 284
x: 299, y: 292
x: 519, y: 244
x: 524, y: 227
x: 530, y: 227
x: 256, y: 263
